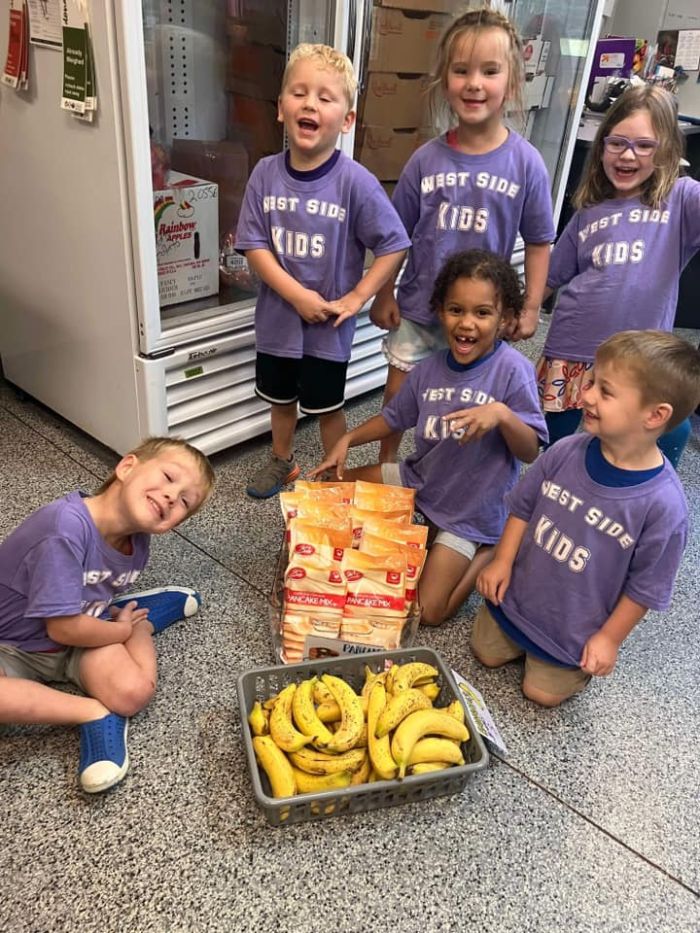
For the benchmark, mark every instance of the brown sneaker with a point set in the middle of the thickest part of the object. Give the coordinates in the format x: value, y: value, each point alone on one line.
x: 272, y: 477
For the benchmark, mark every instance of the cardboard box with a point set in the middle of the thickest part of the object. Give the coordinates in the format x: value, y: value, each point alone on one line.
x: 254, y: 124
x: 222, y: 161
x: 384, y: 152
x: 263, y: 21
x: 186, y: 216
x: 405, y: 42
x: 395, y: 100
x: 255, y: 70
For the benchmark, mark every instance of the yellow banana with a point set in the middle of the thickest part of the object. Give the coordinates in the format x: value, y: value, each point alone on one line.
x: 418, y: 724
x: 257, y: 719
x: 425, y: 767
x: 352, y: 716
x: 431, y: 690
x: 389, y: 679
x: 361, y: 776
x: 383, y: 765
x: 282, y: 728
x: 412, y: 674
x: 313, y: 783
x: 329, y: 712
x: 370, y: 679
x: 322, y: 694
x: 275, y: 765
x: 315, y: 762
x: 269, y: 703
x: 456, y: 710
x: 305, y: 715
x: 436, y: 749
x: 398, y: 707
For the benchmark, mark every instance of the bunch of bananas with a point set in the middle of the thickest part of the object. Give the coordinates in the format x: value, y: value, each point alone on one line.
x: 321, y: 735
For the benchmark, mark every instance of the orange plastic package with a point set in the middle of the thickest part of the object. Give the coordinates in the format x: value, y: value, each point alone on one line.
x: 344, y: 491
x: 290, y: 501
x: 415, y: 536
x: 376, y: 586
x: 295, y: 629
x: 314, y: 583
x: 307, y: 539
x: 380, y: 498
x: 414, y: 557
x: 358, y: 518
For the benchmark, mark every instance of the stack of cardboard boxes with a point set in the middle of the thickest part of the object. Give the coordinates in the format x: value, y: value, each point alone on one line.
x: 393, y: 111
x: 257, y: 35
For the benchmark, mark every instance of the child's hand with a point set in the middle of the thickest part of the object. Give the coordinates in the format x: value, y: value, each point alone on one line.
x: 385, y: 313
x: 128, y: 615
x: 525, y: 326
x: 599, y: 655
x: 312, y: 307
x: 345, y: 307
x: 336, y: 458
x: 494, y: 580
x: 475, y: 422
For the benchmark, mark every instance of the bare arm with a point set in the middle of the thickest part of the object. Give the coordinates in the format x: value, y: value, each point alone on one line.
x: 384, y: 312
x: 308, y: 304
x: 383, y: 269
x: 521, y: 439
x: 374, y: 429
x: 84, y: 631
x: 600, y: 651
x: 494, y: 579
x: 536, y: 268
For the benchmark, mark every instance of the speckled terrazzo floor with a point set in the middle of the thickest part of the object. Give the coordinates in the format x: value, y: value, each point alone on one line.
x: 591, y: 823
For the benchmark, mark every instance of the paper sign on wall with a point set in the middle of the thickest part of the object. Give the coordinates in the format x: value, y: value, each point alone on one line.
x: 16, y: 71
x: 79, y: 95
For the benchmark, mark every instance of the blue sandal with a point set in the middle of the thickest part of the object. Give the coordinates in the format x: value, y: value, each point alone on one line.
x: 104, y: 759
x: 165, y: 604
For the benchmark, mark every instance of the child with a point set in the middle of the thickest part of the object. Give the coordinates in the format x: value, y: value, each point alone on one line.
x: 307, y: 218
x: 476, y: 414
x: 618, y: 262
x: 477, y: 186
x: 61, y: 575
x: 597, y: 525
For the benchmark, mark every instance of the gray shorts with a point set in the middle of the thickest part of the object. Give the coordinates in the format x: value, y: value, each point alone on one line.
x: 410, y: 343
x: 62, y: 667
x: 391, y: 476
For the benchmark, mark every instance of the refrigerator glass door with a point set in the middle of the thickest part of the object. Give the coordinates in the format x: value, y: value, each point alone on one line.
x: 201, y: 79
x: 398, y: 55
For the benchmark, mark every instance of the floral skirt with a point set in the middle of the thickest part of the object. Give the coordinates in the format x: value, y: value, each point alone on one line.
x: 560, y: 383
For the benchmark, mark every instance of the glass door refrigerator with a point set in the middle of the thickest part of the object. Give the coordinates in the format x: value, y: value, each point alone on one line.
x: 125, y: 306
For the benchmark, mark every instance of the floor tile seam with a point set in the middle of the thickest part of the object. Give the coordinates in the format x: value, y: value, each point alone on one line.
x: 221, y: 564
x: 53, y: 444
x: 602, y: 829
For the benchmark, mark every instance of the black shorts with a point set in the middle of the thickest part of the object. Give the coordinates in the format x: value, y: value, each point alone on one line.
x: 318, y: 385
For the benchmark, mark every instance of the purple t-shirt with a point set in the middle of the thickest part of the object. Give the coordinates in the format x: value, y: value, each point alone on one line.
x: 586, y: 545
x: 449, y: 201
x: 56, y: 563
x: 617, y: 266
x: 318, y: 231
x: 460, y: 488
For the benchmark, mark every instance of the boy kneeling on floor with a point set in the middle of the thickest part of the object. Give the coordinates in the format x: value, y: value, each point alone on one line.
x: 597, y: 525
x: 63, y: 615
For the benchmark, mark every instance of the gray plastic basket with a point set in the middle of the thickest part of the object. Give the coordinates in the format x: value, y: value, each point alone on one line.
x: 263, y: 682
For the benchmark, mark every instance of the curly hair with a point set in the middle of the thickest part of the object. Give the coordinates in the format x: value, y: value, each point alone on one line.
x: 480, y: 264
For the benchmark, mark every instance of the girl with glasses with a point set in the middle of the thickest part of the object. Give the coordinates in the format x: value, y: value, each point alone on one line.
x: 617, y: 264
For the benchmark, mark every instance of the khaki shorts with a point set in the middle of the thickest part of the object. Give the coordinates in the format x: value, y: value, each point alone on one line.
x: 391, y: 476
x: 490, y: 642
x: 61, y: 667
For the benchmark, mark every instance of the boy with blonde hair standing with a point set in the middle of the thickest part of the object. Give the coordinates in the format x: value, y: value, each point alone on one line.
x: 308, y: 216
x: 597, y: 525
x: 63, y: 615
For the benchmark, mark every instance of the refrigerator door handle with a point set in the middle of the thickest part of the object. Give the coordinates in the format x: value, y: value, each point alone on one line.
x: 352, y: 22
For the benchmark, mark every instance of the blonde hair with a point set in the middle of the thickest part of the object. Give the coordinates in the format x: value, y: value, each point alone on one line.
x: 595, y: 186
x: 664, y: 368
x: 329, y: 59
x: 153, y: 447
x: 475, y: 21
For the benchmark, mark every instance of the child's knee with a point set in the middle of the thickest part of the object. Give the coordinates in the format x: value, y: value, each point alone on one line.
x: 541, y: 697
x: 433, y: 612
x: 131, y: 697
